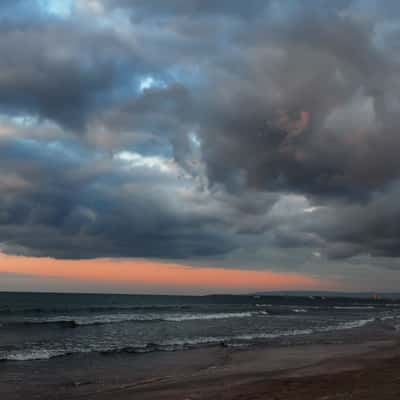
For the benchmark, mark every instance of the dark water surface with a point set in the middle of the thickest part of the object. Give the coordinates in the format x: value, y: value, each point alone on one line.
x: 44, y: 326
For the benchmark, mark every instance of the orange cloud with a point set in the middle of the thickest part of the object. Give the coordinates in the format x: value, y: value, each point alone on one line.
x: 144, y: 273
x: 291, y: 126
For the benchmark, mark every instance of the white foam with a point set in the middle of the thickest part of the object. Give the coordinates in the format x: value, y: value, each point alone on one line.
x: 354, y: 307
x: 294, y: 332
x: 191, y: 317
x: 347, y: 325
x: 197, y: 341
x: 387, y: 317
x: 131, y: 317
x: 28, y: 355
x: 90, y: 320
x: 244, y: 337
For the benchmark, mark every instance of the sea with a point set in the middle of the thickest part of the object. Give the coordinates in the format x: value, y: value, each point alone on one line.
x: 42, y: 326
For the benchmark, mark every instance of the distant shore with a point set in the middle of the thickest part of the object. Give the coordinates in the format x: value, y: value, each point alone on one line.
x: 366, y: 371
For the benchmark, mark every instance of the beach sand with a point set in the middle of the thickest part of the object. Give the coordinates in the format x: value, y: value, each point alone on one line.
x: 370, y: 370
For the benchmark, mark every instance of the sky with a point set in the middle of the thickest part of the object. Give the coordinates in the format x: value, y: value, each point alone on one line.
x: 195, y: 146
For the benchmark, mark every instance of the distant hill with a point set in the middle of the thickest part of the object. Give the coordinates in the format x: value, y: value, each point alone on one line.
x: 306, y: 293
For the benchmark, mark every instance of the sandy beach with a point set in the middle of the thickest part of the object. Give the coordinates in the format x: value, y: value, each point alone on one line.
x: 369, y: 371
x: 333, y: 371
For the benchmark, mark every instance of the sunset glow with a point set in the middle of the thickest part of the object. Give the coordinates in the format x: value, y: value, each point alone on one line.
x: 148, y: 273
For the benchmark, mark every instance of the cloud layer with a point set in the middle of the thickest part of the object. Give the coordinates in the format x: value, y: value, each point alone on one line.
x: 250, y: 133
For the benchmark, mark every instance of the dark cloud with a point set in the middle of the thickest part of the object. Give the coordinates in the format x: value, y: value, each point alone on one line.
x: 309, y: 110
x: 201, y: 128
x: 84, y: 208
x: 60, y: 71
x: 371, y: 228
x: 157, y: 116
x: 195, y: 8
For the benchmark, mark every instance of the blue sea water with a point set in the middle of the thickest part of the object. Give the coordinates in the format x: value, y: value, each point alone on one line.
x: 43, y: 326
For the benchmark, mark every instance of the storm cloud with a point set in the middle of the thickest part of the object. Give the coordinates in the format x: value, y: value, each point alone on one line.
x: 201, y: 130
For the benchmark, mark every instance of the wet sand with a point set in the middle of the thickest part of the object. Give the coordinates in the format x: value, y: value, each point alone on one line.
x: 370, y: 370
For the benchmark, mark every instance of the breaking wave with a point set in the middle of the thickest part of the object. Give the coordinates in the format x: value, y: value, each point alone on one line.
x: 76, y: 321
x: 175, y: 345
x: 354, y: 307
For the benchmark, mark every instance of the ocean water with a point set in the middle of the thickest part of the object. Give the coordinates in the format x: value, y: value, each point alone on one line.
x: 44, y: 326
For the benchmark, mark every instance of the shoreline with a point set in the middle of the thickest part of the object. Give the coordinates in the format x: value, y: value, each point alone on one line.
x: 248, y: 375
x: 214, y: 373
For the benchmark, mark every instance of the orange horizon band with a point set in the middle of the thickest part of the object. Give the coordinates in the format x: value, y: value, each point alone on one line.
x: 139, y: 271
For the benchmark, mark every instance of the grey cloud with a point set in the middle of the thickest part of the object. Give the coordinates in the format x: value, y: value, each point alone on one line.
x: 285, y: 98
x: 278, y: 103
x: 60, y: 71
x: 158, y: 116
x: 156, y: 8
x: 371, y: 228
x: 346, y: 229
x: 71, y: 209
